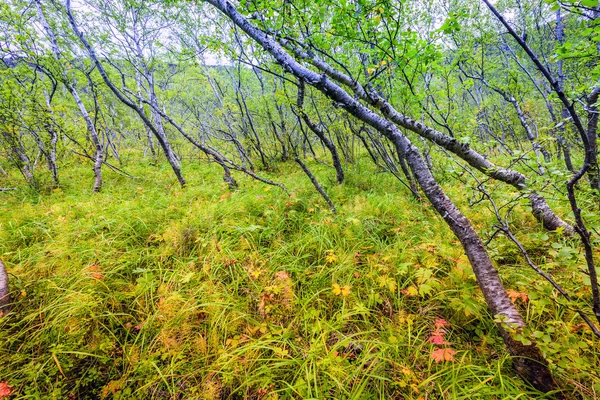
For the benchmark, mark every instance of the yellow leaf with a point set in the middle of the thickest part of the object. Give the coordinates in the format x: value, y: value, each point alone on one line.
x: 330, y: 257
x: 336, y: 289
x: 411, y: 291
x: 389, y: 282
x: 340, y: 290
x: 346, y: 290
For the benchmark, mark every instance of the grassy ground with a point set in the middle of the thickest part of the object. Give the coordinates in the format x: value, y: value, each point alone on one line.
x: 147, y: 290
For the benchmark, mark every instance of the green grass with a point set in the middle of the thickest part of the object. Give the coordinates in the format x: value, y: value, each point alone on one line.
x: 147, y: 290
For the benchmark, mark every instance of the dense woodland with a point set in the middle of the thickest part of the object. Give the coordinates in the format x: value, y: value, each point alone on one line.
x: 270, y: 199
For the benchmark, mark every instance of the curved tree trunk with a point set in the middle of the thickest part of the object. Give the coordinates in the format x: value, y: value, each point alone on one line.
x: 159, y: 130
x: 528, y: 360
x: 531, y: 135
x: 21, y: 159
x: 94, y: 58
x: 462, y: 150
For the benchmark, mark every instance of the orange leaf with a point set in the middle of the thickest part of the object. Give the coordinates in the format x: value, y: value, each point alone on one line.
x: 514, y: 295
x: 439, y: 355
x: 96, y: 272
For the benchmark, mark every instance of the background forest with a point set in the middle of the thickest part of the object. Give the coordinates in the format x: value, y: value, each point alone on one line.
x: 267, y: 199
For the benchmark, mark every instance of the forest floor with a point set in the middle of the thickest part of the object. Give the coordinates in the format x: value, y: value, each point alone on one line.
x: 148, y: 290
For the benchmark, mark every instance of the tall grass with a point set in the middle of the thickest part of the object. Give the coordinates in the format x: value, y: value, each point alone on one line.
x: 147, y: 290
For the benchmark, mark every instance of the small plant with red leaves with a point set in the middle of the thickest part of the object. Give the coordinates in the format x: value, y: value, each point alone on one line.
x: 5, y: 390
x: 438, y: 338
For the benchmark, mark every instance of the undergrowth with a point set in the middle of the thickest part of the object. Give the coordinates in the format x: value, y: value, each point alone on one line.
x: 148, y: 290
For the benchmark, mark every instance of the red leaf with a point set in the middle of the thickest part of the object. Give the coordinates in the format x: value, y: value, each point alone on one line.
x: 5, y: 390
x: 439, y: 355
x: 440, y: 323
x: 437, y: 339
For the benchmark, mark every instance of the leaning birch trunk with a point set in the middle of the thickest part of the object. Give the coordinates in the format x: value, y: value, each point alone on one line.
x: 159, y: 128
x: 531, y: 136
x: 94, y: 58
x: 540, y: 208
x: 316, y: 184
x: 160, y: 131
x: 527, y: 359
x: 4, y: 294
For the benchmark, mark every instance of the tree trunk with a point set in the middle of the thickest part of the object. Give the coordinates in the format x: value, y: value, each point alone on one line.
x: 159, y: 130
x: 462, y: 150
x: 592, y: 134
x: 528, y: 361
x: 94, y: 58
x: 316, y: 184
x: 560, y: 37
x: 51, y: 155
x: 335, y: 157
x: 99, y: 151
x: 531, y: 136
x: 4, y: 291
x: 160, y: 133
x: 21, y: 159
x: 138, y: 82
